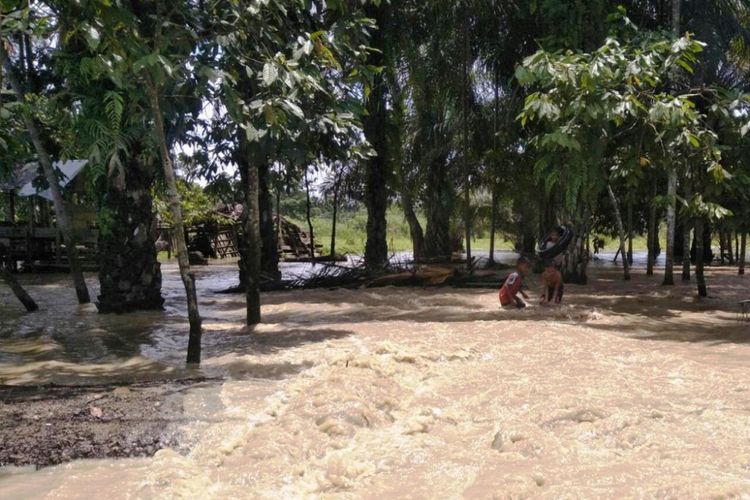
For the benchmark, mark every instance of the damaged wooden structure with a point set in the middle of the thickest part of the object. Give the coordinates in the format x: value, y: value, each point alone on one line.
x: 221, y: 239
x: 29, y: 237
x: 294, y: 244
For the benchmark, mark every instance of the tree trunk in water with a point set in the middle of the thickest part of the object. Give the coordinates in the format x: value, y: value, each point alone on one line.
x: 686, y: 251
x: 253, y: 241
x: 699, y: 276
x: 17, y: 289
x: 309, y: 218
x: 652, y: 237
x: 630, y: 232
x: 743, y: 249
x: 576, y: 261
x: 129, y: 271
x: 375, y: 128
x: 269, y: 247
x: 621, y: 231
x: 188, y: 278
x: 64, y: 221
x: 671, y: 220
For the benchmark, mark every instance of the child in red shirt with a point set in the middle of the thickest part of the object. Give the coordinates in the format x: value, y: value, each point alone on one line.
x: 512, y: 287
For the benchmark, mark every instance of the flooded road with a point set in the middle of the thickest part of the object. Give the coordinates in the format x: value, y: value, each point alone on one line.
x: 627, y: 390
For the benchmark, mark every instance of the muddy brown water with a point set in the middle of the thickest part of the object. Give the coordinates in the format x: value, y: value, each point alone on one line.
x: 627, y: 390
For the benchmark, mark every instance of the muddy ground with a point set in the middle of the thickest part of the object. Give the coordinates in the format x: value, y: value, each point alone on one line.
x: 49, y: 425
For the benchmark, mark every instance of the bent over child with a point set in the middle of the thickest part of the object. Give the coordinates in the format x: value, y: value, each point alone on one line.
x: 511, y: 289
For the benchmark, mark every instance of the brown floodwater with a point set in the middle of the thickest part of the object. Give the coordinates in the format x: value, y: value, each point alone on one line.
x: 627, y: 390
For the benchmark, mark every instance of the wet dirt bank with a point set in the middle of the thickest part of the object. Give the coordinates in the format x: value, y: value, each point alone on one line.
x: 49, y: 425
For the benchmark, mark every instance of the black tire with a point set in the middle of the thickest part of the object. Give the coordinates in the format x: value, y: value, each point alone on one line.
x: 562, y: 244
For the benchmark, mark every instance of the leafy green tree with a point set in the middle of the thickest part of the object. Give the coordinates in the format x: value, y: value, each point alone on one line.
x: 144, y: 48
x: 20, y: 23
x: 588, y: 102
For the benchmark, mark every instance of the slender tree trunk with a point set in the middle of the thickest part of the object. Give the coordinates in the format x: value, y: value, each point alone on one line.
x: 253, y: 245
x: 699, y: 276
x: 252, y: 241
x: 686, y: 251
x: 494, y: 171
x: 722, y: 247
x: 309, y: 218
x: 269, y: 242
x: 415, y: 228
x: 465, y: 146
x: 376, y: 131
x: 395, y: 147
x: 576, y: 260
x: 672, y: 181
x: 278, y: 217
x: 671, y: 220
x: 652, y: 237
x: 64, y: 221
x: 743, y: 249
x: 493, y: 223
x: 630, y: 232
x: 17, y: 289
x: 333, y: 222
x: 730, y: 247
x: 188, y: 278
x: 621, y: 231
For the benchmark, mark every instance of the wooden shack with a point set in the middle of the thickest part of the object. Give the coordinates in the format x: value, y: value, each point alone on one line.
x: 29, y: 237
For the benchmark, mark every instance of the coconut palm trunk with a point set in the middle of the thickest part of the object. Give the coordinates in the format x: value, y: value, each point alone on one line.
x: 64, y: 220
x: 188, y: 278
x: 376, y: 131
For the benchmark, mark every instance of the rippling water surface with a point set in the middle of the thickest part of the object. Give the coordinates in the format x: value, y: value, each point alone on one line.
x: 627, y: 390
